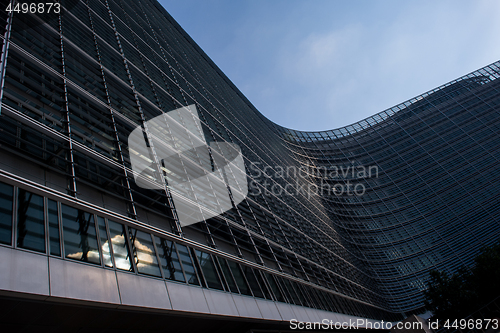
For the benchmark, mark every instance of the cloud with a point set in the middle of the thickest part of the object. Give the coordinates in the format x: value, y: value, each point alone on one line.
x: 325, y: 64
x: 339, y: 76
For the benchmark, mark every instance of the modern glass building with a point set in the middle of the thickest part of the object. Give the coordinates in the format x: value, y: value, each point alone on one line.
x: 338, y: 225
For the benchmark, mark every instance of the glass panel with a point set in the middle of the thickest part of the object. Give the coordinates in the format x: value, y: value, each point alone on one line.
x: 331, y: 306
x: 105, y: 248
x: 257, y: 292
x: 197, y: 267
x: 54, y: 244
x: 319, y: 295
x: 144, y: 252
x: 284, y: 290
x: 334, y: 302
x: 208, y: 268
x: 80, y: 239
x: 274, y: 287
x: 5, y: 213
x: 187, y: 264
x: 303, y: 294
x: 201, y: 278
x: 119, y: 246
x: 240, y: 280
x: 169, y: 260
x: 291, y: 291
x: 30, y: 225
x: 263, y: 284
x: 228, y: 275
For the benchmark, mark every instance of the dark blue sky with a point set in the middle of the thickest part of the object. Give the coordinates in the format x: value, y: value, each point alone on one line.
x: 322, y: 64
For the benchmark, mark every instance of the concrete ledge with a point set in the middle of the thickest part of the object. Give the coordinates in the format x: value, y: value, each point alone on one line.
x: 220, y: 303
x: 314, y: 314
x: 143, y: 291
x: 285, y: 310
x: 35, y: 276
x: 300, y: 313
x: 268, y: 309
x: 83, y: 282
x: 186, y: 298
x: 247, y: 306
x: 24, y: 272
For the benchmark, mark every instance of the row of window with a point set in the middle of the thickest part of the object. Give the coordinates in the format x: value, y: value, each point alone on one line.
x: 229, y: 124
x: 435, y: 182
x: 96, y: 131
x: 40, y: 224
x: 190, y: 89
x: 181, y: 58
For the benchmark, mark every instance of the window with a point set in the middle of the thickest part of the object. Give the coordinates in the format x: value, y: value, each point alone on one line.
x: 321, y: 297
x: 263, y: 285
x: 30, y: 221
x: 289, y: 289
x: 119, y: 246
x: 227, y: 275
x: 208, y: 269
x: 144, y: 252
x: 304, y: 295
x: 252, y: 281
x: 54, y: 243
x: 169, y: 259
x: 105, y: 247
x: 274, y: 288
x: 80, y: 239
x: 187, y: 264
x: 240, y: 279
x: 5, y: 213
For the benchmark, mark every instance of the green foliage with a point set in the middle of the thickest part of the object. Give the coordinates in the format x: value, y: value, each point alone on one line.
x: 459, y: 295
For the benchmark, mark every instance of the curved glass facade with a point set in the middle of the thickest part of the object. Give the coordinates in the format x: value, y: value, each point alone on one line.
x: 432, y: 203
x: 349, y: 220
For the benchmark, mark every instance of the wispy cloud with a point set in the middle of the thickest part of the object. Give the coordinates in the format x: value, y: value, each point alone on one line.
x: 325, y: 64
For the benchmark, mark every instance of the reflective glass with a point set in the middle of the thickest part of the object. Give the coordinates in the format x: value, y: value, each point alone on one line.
x: 240, y: 280
x: 144, y: 252
x: 208, y: 268
x: 252, y: 281
x: 170, y: 264
x: 227, y: 275
x: 54, y: 243
x: 30, y: 221
x: 274, y: 287
x: 284, y: 290
x: 303, y: 294
x: 80, y: 238
x: 105, y: 247
x: 263, y: 284
x: 5, y: 213
x: 119, y: 246
x: 187, y: 264
x: 293, y: 296
x: 318, y: 295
